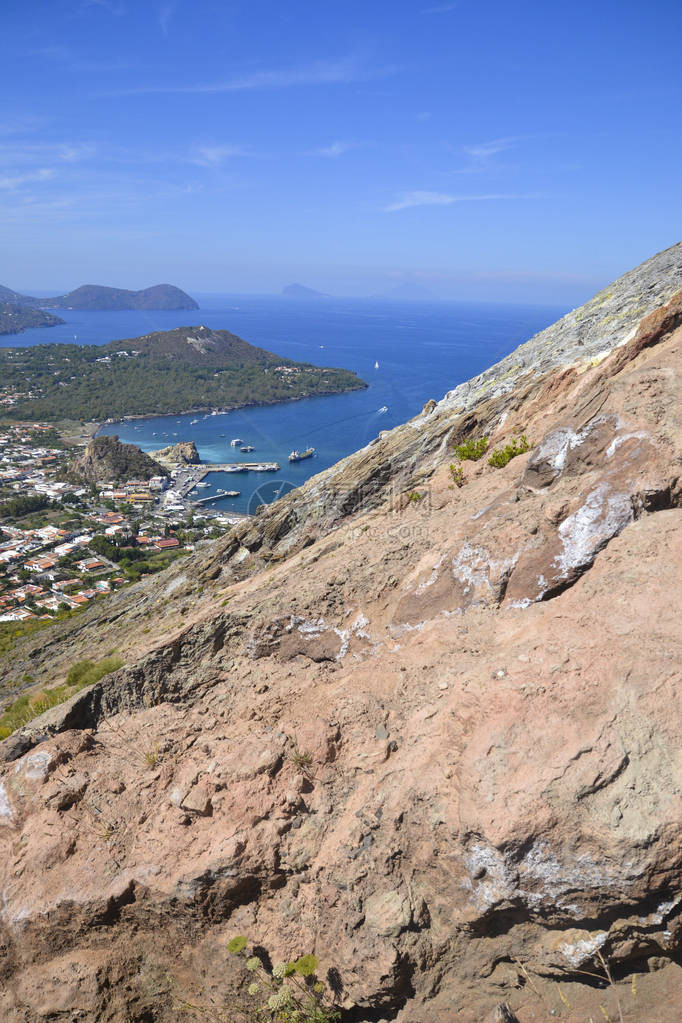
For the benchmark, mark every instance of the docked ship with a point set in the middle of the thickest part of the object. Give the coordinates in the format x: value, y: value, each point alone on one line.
x: 298, y: 456
x: 232, y: 493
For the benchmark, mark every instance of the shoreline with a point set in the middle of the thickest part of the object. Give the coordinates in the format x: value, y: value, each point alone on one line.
x: 208, y: 411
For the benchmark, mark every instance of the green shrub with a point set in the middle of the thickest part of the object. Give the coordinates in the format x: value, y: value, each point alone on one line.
x: 458, y: 477
x: 31, y: 705
x: 502, y: 456
x: 86, y: 673
x: 471, y: 450
x: 288, y: 992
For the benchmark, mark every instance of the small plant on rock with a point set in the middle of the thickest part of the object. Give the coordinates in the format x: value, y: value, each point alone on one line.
x: 458, y: 477
x: 302, y: 760
x: 471, y: 450
x: 288, y: 992
x: 502, y: 456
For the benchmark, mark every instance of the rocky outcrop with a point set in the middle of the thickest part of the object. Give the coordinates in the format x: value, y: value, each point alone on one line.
x: 421, y: 722
x: 107, y: 458
x: 184, y: 453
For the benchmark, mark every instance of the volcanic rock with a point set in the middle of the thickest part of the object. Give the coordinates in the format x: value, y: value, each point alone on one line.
x: 184, y: 453
x: 107, y: 458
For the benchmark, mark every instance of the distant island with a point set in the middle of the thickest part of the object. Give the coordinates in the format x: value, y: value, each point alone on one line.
x: 95, y: 296
x: 99, y: 297
x: 300, y: 291
x: 168, y: 372
x: 16, y: 318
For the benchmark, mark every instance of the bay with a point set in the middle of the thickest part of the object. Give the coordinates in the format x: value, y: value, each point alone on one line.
x: 423, y: 350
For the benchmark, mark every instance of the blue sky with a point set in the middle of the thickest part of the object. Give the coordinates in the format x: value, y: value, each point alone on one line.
x: 522, y: 152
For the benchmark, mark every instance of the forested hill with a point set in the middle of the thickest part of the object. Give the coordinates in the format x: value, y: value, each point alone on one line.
x: 7, y: 295
x: 15, y: 318
x: 181, y: 370
x: 199, y: 346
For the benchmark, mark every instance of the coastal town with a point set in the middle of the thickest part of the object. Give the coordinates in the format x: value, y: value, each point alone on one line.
x: 66, y: 543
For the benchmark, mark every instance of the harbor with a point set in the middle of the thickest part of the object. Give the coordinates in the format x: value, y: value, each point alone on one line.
x: 191, y: 476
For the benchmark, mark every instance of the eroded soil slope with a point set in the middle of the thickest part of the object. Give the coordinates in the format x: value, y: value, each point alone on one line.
x: 430, y: 732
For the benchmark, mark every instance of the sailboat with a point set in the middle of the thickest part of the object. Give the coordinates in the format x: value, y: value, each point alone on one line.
x: 376, y: 365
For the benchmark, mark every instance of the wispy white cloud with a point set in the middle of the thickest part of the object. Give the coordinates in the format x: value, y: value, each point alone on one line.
x: 340, y: 72
x: 335, y: 149
x: 21, y: 153
x: 425, y: 198
x: 485, y: 150
x: 75, y: 152
x: 19, y: 180
x: 215, y: 155
x: 166, y: 12
x: 420, y: 198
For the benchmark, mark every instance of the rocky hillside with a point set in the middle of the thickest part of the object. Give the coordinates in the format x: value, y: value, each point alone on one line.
x: 418, y: 717
x: 184, y: 453
x: 107, y: 458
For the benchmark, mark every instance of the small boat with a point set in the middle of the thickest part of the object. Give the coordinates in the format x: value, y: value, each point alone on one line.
x: 193, y: 422
x: 220, y: 490
x: 236, y: 468
x: 298, y: 456
x: 247, y: 448
x: 203, y: 484
x: 376, y: 365
x: 384, y: 408
x: 235, y: 442
x: 232, y: 493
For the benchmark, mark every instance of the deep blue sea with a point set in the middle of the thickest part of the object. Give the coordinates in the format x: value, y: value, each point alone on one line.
x: 423, y: 350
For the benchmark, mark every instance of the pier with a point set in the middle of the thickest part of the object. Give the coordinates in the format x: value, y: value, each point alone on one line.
x: 241, y: 466
x: 190, y: 475
x: 212, y: 497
